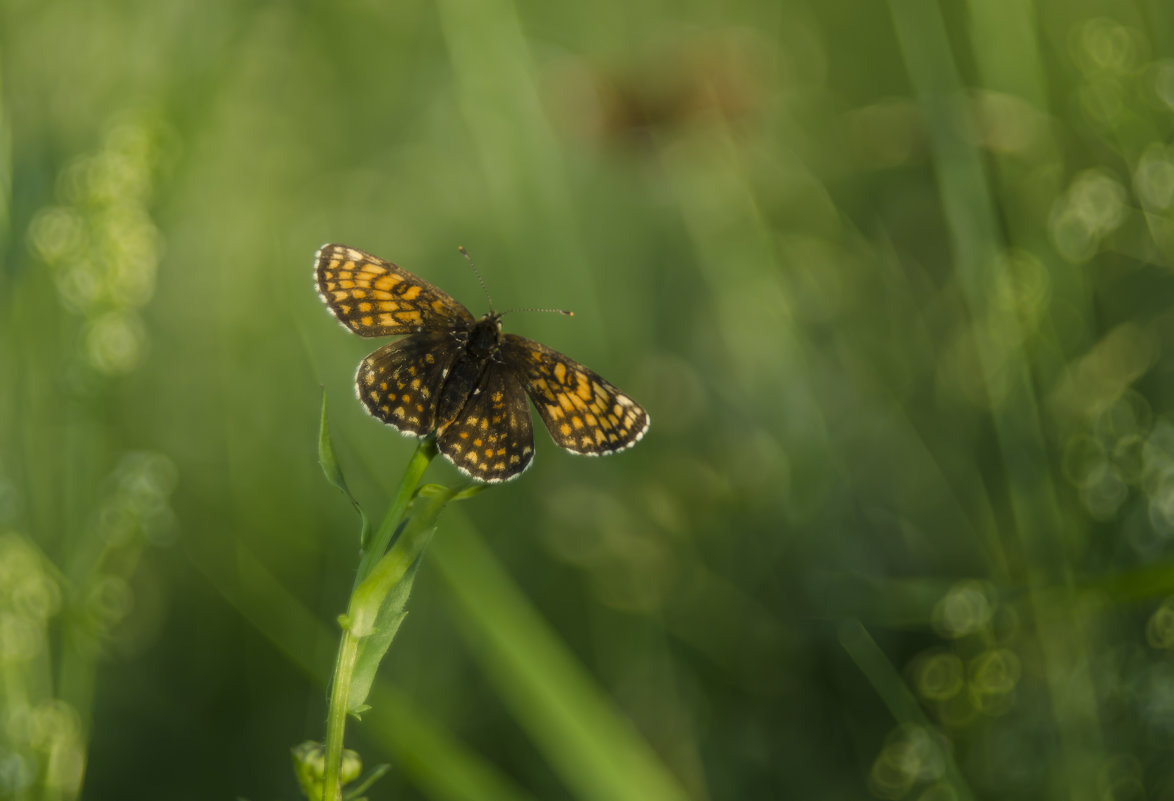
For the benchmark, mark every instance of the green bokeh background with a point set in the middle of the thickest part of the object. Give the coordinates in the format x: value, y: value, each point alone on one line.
x: 892, y: 278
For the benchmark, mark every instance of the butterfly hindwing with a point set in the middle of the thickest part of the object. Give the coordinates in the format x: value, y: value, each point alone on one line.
x: 583, y: 412
x: 491, y: 439
x: 375, y: 298
x: 399, y: 383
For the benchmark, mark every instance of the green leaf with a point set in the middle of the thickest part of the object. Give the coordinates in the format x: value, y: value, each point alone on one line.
x: 373, y: 648
x: 379, y: 604
x: 333, y: 472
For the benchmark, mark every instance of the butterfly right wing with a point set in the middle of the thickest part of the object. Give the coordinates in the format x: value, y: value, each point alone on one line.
x: 400, y: 383
x: 375, y: 298
x: 583, y: 412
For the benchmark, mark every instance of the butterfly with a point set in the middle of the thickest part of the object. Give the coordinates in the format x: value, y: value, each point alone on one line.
x: 461, y: 378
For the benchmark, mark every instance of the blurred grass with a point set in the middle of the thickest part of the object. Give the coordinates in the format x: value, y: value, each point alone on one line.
x: 969, y: 213
x: 566, y: 716
x: 892, y: 279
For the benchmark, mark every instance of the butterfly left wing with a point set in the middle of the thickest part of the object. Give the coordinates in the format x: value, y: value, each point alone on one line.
x: 491, y: 438
x: 583, y: 412
x: 375, y: 298
x: 400, y: 383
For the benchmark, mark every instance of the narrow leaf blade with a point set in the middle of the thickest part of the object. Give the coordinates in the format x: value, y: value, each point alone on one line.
x: 333, y: 472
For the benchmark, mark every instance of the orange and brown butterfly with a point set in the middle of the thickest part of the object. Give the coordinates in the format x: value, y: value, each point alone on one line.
x: 461, y: 378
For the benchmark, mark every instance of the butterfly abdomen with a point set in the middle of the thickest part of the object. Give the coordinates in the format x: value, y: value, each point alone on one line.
x: 480, y: 346
x: 458, y: 387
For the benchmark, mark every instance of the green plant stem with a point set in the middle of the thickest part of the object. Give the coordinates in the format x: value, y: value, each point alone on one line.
x: 344, y: 670
x: 374, y: 550
x: 348, y: 647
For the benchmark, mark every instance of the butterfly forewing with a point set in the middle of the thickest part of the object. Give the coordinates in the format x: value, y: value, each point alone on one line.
x: 492, y: 438
x: 375, y: 298
x: 399, y: 383
x: 583, y: 412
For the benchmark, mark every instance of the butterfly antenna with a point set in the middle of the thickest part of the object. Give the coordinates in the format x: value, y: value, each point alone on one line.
x: 476, y: 272
x: 567, y: 312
